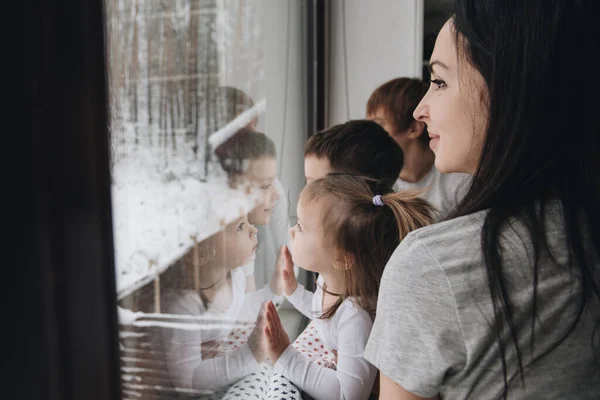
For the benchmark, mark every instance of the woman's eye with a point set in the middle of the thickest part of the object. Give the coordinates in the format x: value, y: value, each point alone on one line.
x: 265, y: 187
x: 438, y: 82
x: 240, y: 227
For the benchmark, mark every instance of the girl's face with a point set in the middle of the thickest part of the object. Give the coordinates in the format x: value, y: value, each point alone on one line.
x: 237, y: 243
x: 261, y: 173
x: 309, y: 248
x: 455, y: 107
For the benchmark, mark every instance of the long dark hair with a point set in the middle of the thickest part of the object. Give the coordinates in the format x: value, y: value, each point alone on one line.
x: 542, y: 142
x: 362, y: 233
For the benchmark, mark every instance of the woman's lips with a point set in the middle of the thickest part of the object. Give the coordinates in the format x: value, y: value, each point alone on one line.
x: 433, y: 140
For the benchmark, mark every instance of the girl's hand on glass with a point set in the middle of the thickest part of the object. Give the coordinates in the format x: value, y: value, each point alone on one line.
x: 288, y: 278
x: 284, y: 279
x: 277, y: 339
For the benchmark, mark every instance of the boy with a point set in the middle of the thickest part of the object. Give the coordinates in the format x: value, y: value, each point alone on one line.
x: 357, y: 147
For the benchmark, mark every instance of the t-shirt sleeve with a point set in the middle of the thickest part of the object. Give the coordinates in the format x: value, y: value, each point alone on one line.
x: 416, y: 338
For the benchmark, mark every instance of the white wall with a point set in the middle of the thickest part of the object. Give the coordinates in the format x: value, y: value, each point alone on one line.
x: 384, y: 40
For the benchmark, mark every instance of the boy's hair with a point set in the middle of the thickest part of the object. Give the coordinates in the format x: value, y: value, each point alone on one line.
x: 229, y: 103
x: 362, y: 234
x: 358, y: 147
x: 398, y: 99
x: 246, y: 144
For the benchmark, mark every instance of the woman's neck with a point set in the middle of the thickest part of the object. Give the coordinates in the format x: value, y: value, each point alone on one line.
x: 418, y: 161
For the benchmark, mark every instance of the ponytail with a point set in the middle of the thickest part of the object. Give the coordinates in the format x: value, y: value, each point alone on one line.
x: 410, y: 211
x: 364, y: 222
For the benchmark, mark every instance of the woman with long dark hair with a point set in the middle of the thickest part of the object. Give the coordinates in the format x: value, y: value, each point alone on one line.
x: 501, y: 300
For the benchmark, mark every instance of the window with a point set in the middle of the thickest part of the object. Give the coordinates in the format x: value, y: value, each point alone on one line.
x: 207, y: 113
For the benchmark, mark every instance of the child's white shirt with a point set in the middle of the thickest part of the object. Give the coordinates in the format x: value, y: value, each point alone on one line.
x: 347, y: 332
x: 183, y: 346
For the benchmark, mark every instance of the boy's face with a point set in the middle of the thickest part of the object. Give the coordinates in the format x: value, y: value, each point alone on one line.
x: 380, y: 116
x: 316, y: 168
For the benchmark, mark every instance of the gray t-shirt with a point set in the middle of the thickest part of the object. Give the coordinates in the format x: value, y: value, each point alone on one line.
x: 444, y: 191
x: 432, y: 333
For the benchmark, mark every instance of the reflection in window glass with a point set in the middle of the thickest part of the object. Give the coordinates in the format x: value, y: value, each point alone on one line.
x: 196, y: 175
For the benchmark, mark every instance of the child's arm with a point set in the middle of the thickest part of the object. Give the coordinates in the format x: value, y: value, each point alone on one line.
x: 189, y: 370
x: 354, y: 377
x: 302, y: 300
x: 271, y: 291
x: 253, y: 302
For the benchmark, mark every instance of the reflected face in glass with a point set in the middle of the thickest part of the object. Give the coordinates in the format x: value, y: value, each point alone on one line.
x: 316, y: 168
x: 308, y: 247
x: 237, y: 243
x: 262, y: 173
x: 454, y: 108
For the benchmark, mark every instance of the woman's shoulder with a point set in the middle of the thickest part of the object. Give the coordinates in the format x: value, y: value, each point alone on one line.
x: 463, y: 226
x: 443, y: 240
x: 454, y: 246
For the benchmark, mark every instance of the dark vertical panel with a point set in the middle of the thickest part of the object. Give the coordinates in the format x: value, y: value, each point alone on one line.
x: 69, y: 321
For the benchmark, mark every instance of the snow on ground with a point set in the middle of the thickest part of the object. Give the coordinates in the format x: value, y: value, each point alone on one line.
x: 157, y: 214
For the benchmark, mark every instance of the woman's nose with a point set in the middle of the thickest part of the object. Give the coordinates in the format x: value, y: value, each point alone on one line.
x: 421, y: 113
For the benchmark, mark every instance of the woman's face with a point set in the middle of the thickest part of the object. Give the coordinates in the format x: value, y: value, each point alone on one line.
x: 261, y: 173
x: 455, y: 108
x: 237, y: 243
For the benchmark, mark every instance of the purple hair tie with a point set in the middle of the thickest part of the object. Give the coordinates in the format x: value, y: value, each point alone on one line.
x: 377, y: 200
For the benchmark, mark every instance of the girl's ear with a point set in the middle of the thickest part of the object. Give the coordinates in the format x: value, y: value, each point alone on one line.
x: 204, y: 254
x: 344, y: 263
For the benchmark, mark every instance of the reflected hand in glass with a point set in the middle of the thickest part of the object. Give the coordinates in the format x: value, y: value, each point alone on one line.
x: 277, y: 339
x: 257, y: 340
